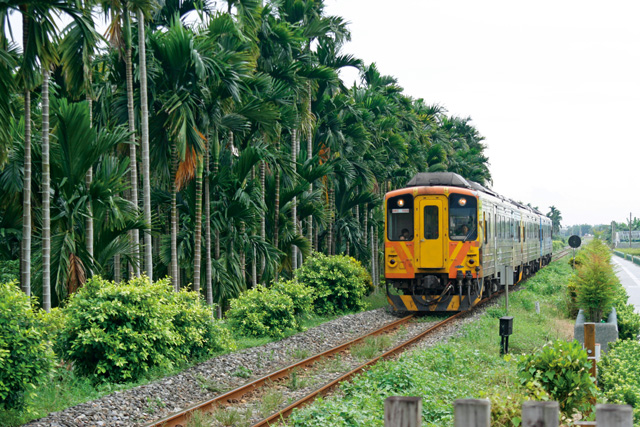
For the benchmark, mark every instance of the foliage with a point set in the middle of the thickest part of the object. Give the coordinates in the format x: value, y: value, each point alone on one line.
x: 9, y: 271
x: 53, y: 324
x: 339, y: 282
x: 506, y: 411
x: 118, y: 331
x: 619, y: 375
x: 595, y: 281
x: 628, y: 321
x: 261, y: 311
x: 26, y: 358
x: 302, y: 296
x: 561, y: 370
x: 192, y: 321
x: 558, y: 245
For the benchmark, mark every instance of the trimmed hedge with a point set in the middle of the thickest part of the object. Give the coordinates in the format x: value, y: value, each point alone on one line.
x: 339, y: 282
x: 117, y: 331
x: 26, y: 358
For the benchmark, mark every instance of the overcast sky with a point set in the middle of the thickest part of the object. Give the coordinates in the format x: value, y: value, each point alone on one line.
x: 553, y: 86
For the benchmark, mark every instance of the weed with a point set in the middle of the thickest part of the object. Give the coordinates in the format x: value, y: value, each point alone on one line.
x: 154, y: 404
x: 270, y: 402
x: 208, y: 384
x: 371, y: 347
x: 296, y: 382
x: 242, y: 372
x: 300, y: 353
x: 199, y: 419
x: 333, y: 364
x: 231, y: 417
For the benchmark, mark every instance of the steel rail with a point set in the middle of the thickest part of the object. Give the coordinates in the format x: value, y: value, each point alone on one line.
x: 180, y: 418
x: 284, y: 413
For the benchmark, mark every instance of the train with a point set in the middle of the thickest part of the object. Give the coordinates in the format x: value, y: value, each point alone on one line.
x: 450, y: 242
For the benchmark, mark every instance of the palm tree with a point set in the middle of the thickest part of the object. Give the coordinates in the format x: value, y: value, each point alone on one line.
x: 179, y: 102
x: 555, y: 216
x: 78, y: 147
x: 77, y: 53
x: 40, y: 34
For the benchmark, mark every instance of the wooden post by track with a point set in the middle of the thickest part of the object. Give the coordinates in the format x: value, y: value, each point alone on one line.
x: 590, y: 346
x: 540, y: 414
x: 402, y: 411
x: 472, y: 413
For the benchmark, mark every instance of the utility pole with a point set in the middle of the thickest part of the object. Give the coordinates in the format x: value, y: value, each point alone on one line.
x: 629, y: 229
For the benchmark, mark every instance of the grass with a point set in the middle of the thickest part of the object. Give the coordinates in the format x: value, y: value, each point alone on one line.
x: 271, y: 400
x: 371, y: 347
x: 630, y: 251
x: 468, y: 366
x: 230, y: 417
x: 296, y: 381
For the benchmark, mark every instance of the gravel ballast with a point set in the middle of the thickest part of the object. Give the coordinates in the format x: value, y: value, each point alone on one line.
x: 149, y: 402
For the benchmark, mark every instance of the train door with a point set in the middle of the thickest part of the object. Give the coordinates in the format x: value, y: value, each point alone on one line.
x: 431, y: 214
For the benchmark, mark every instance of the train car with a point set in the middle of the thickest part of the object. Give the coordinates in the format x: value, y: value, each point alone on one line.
x: 450, y: 242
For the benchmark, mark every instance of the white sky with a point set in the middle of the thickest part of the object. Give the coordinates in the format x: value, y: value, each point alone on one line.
x: 553, y: 86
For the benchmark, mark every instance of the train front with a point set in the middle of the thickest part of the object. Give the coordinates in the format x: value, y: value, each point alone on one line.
x: 432, y: 246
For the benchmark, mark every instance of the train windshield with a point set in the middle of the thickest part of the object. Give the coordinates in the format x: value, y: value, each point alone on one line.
x: 463, y: 217
x: 400, y: 218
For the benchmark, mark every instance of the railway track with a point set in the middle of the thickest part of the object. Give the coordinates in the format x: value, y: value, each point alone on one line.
x: 235, y: 395
x: 245, y: 391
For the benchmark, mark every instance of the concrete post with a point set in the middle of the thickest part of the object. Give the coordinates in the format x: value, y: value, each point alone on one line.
x: 402, y: 411
x: 472, y: 413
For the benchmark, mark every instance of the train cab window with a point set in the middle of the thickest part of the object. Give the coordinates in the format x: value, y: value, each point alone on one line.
x: 431, y: 223
x: 463, y: 217
x: 400, y: 218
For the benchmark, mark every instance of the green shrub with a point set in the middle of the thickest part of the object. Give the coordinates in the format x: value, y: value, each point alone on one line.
x: 339, y: 282
x: 118, y: 331
x: 301, y: 295
x: 26, y: 358
x: 628, y: 322
x: 619, y: 375
x: 53, y: 325
x: 596, y: 286
x: 506, y: 411
x: 192, y: 320
x: 261, y: 312
x: 561, y: 371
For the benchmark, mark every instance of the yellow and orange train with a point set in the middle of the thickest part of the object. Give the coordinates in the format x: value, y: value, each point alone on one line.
x: 450, y: 242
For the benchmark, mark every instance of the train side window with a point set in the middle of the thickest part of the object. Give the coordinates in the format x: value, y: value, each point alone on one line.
x: 486, y: 230
x: 431, y: 222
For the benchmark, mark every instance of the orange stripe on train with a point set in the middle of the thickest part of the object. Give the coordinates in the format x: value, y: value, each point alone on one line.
x: 405, y: 252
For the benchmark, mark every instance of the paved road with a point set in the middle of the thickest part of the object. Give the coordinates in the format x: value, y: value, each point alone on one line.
x: 629, y: 275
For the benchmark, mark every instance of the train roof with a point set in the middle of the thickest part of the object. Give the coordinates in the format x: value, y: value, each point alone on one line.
x: 446, y: 179
x: 451, y: 179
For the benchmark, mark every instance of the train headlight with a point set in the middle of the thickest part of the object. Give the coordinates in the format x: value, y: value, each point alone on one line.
x: 400, y: 203
x: 462, y: 201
